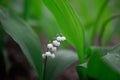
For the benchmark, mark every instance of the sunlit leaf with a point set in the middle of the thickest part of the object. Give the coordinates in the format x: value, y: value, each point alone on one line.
x: 68, y: 23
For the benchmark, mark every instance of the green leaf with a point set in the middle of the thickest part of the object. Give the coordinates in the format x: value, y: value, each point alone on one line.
x: 63, y: 59
x: 102, y: 50
x: 24, y: 36
x: 69, y: 24
x: 49, y: 24
x: 113, y: 59
x: 84, y: 10
x: 103, y: 64
x: 100, y: 70
x: 82, y: 71
x: 115, y: 49
x: 92, y: 66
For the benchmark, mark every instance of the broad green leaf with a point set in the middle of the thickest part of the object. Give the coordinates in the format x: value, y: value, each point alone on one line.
x: 24, y: 36
x: 94, y: 65
x: 84, y: 10
x: 100, y: 70
x: 63, y: 59
x: 113, y: 59
x: 115, y: 49
x: 102, y: 65
x: 49, y: 24
x: 110, y: 56
x: 102, y: 50
x: 69, y: 24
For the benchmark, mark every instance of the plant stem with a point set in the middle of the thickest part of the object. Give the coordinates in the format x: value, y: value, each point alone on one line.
x: 44, y: 68
x: 104, y: 26
x: 97, y: 20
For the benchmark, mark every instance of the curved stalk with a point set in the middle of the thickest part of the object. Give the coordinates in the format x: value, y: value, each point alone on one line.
x: 44, y: 68
x: 104, y: 26
x: 102, y: 9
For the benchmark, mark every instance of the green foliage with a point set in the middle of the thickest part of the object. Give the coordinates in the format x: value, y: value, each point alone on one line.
x: 69, y: 24
x: 92, y: 14
x: 49, y: 24
x: 82, y: 71
x: 102, y: 65
x: 63, y: 59
x: 24, y: 36
x: 99, y: 70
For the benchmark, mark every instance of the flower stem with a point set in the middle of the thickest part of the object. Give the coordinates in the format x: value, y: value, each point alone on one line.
x: 44, y: 68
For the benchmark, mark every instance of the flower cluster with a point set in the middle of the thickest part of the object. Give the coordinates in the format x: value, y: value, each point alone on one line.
x: 52, y: 47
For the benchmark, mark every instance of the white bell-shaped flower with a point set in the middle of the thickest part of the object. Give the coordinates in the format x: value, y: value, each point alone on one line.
x: 48, y: 53
x: 54, y: 49
x: 56, y: 43
x: 63, y: 38
x: 50, y: 46
x: 52, y: 55
x: 59, y: 38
